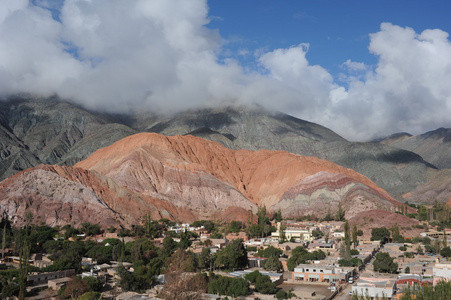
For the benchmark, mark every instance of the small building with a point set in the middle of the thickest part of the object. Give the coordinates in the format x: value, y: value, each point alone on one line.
x: 57, y: 284
x: 375, y: 287
x: 43, y: 278
x: 256, y: 262
x: 441, y: 272
x: 320, y: 273
x: 293, y: 232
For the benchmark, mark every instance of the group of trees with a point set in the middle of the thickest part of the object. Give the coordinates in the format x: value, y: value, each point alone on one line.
x: 263, y: 227
x: 300, y: 255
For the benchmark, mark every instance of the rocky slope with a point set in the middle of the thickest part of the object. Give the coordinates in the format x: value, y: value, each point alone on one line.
x: 433, y: 146
x: 377, y: 218
x: 395, y: 170
x: 185, y: 178
x: 34, y: 131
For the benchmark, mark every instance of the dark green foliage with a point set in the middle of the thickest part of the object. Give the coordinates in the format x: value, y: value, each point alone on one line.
x: 94, y: 284
x: 233, y: 287
x: 70, y: 231
x: 273, y: 264
x: 90, y: 229
x: 277, y: 216
x: 233, y: 256
x: 384, y: 263
x: 442, y: 291
x: 263, y: 226
x: 317, y: 233
x: 131, y: 281
x: 270, y: 251
x: 282, y: 294
x: 355, y: 252
x: 205, y: 259
x: 208, y: 225
x: 380, y: 234
x: 91, y: 296
x: 264, y: 285
x: 446, y: 252
x: 300, y: 255
x: 235, y: 226
x: 169, y: 245
x: 252, y: 277
x: 353, y: 262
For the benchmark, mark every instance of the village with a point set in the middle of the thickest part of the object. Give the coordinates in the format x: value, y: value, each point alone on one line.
x: 302, y: 259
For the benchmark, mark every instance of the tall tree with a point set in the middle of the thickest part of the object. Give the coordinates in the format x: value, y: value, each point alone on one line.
x: 354, y: 235
x: 340, y: 213
x: 282, y: 236
x: 347, y: 241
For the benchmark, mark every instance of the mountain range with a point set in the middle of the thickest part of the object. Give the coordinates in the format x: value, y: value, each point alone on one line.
x: 80, y: 151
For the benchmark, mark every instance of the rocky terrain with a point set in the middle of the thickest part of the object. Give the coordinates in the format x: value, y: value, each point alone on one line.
x: 376, y: 218
x: 185, y: 178
x: 50, y: 131
x: 433, y: 146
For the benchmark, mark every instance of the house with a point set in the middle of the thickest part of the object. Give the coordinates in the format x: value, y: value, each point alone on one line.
x: 320, y: 273
x: 293, y: 231
x: 43, y: 278
x: 441, y: 272
x: 375, y: 287
x: 57, y: 284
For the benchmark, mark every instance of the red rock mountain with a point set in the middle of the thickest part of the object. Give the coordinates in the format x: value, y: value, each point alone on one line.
x: 186, y: 178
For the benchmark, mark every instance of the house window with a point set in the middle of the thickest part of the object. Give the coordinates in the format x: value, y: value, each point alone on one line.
x: 314, y: 270
x: 306, y: 270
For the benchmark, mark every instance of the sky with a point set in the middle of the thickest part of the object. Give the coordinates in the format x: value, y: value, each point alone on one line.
x: 364, y: 69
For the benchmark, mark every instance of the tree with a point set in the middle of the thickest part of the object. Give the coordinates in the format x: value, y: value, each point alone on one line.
x: 380, y: 234
x: 270, y: 251
x: 233, y: 256
x: 278, y: 216
x: 354, y: 235
x: 273, y: 264
x: 282, y: 294
x: 205, y: 259
x: 299, y: 255
x: 252, y: 276
x: 340, y: 213
x: 233, y: 287
x: 264, y: 285
x: 282, y: 236
x: 446, y: 252
x: 169, y: 245
x: 236, y: 226
x: 347, y: 241
x: 384, y: 263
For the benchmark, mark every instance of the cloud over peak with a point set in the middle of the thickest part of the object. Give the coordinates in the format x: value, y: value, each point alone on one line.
x: 159, y: 55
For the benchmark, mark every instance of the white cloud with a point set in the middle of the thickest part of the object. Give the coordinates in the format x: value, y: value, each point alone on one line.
x: 133, y: 55
x: 408, y: 91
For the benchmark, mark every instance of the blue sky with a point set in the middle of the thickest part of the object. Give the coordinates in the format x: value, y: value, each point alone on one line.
x: 336, y: 30
x: 363, y: 68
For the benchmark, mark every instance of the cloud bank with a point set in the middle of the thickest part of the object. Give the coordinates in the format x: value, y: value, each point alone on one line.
x: 126, y: 56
